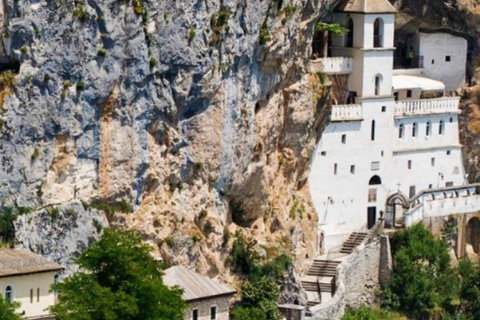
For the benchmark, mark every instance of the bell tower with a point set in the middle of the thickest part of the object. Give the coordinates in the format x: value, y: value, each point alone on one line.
x: 370, y: 42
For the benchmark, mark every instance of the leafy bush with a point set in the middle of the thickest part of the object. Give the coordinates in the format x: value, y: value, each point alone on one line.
x: 53, y: 212
x: 264, y: 35
x: 8, y: 310
x: 35, y: 154
x: 191, y: 35
x: 369, y: 313
x: 259, y: 301
x: 208, y: 228
x: 334, y: 28
x: 81, y: 13
x: 470, y: 287
x: 153, y: 62
x: 109, y: 207
x: 422, y: 277
x: 119, y: 279
x: 7, y: 79
x: 245, y: 260
x: 138, y: 7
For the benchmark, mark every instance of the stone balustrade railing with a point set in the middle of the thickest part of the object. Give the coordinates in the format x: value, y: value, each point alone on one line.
x: 443, y: 202
x: 333, y: 65
x: 427, y: 106
x: 347, y: 112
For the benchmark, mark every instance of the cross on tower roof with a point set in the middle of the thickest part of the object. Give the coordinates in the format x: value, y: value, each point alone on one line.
x: 365, y: 6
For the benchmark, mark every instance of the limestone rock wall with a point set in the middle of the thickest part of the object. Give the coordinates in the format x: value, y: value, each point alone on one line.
x: 60, y: 235
x: 198, y: 113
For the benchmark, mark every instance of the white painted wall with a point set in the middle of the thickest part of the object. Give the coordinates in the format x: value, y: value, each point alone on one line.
x: 22, y: 286
x: 435, y: 47
x: 204, y: 306
x: 341, y: 198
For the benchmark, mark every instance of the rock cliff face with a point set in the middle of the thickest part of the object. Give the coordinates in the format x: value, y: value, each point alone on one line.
x: 198, y: 113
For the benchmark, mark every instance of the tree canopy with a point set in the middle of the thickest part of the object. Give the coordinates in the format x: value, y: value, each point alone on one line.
x: 423, y: 279
x: 8, y: 310
x: 259, y: 301
x: 119, y: 280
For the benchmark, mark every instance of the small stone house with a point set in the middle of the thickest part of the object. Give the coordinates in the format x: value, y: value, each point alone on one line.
x: 26, y: 278
x: 207, y: 299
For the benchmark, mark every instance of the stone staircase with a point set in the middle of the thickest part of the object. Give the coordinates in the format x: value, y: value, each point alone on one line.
x: 319, y: 283
x: 353, y: 241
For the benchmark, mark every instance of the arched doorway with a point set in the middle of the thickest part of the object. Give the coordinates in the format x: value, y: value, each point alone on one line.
x: 372, y: 200
x: 397, y: 203
x: 472, y: 236
x: 375, y: 180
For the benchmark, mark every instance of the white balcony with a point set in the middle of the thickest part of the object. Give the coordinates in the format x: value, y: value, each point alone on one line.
x: 347, y: 112
x: 409, y: 108
x: 334, y: 65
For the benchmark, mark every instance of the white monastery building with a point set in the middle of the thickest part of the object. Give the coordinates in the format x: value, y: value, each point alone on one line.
x: 207, y: 299
x: 397, y: 134
x: 26, y: 278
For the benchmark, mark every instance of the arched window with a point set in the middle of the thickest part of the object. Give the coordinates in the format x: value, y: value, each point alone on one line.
x: 373, y: 131
x: 440, y: 127
x: 400, y: 131
x: 9, y: 293
x: 378, y: 83
x: 378, y: 33
x: 375, y: 180
x: 428, y: 128
x: 349, y: 35
x: 414, y: 129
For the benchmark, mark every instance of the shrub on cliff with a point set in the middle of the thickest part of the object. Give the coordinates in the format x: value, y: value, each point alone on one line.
x: 118, y: 280
x: 422, y: 280
x: 259, y: 301
x: 369, y: 313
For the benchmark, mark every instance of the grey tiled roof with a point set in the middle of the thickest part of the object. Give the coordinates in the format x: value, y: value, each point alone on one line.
x: 366, y: 6
x: 20, y: 262
x: 194, y: 285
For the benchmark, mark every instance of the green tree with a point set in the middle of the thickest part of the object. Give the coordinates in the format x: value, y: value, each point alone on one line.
x: 422, y: 276
x: 119, y: 280
x: 259, y: 301
x: 7, y: 310
x: 470, y: 288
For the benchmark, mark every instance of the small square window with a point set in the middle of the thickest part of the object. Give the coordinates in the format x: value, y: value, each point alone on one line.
x: 433, y: 61
x: 449, y: 184
x: 409, y: 93
x: 213, y: 313
x: 448, y: 58
x: 335, y: 169
x: 195, y: 314
x: 384, y: 109
x: 323, y: 153
x: 448, y: 152
x: 352, y: 169
x: 432, y: 161
x: 409, y: 164
x: 430, y: 186
x: 344, y: 138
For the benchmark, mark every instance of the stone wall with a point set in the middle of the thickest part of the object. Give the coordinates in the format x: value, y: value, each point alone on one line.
x: 357, y: 281
x: 204, y: 308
